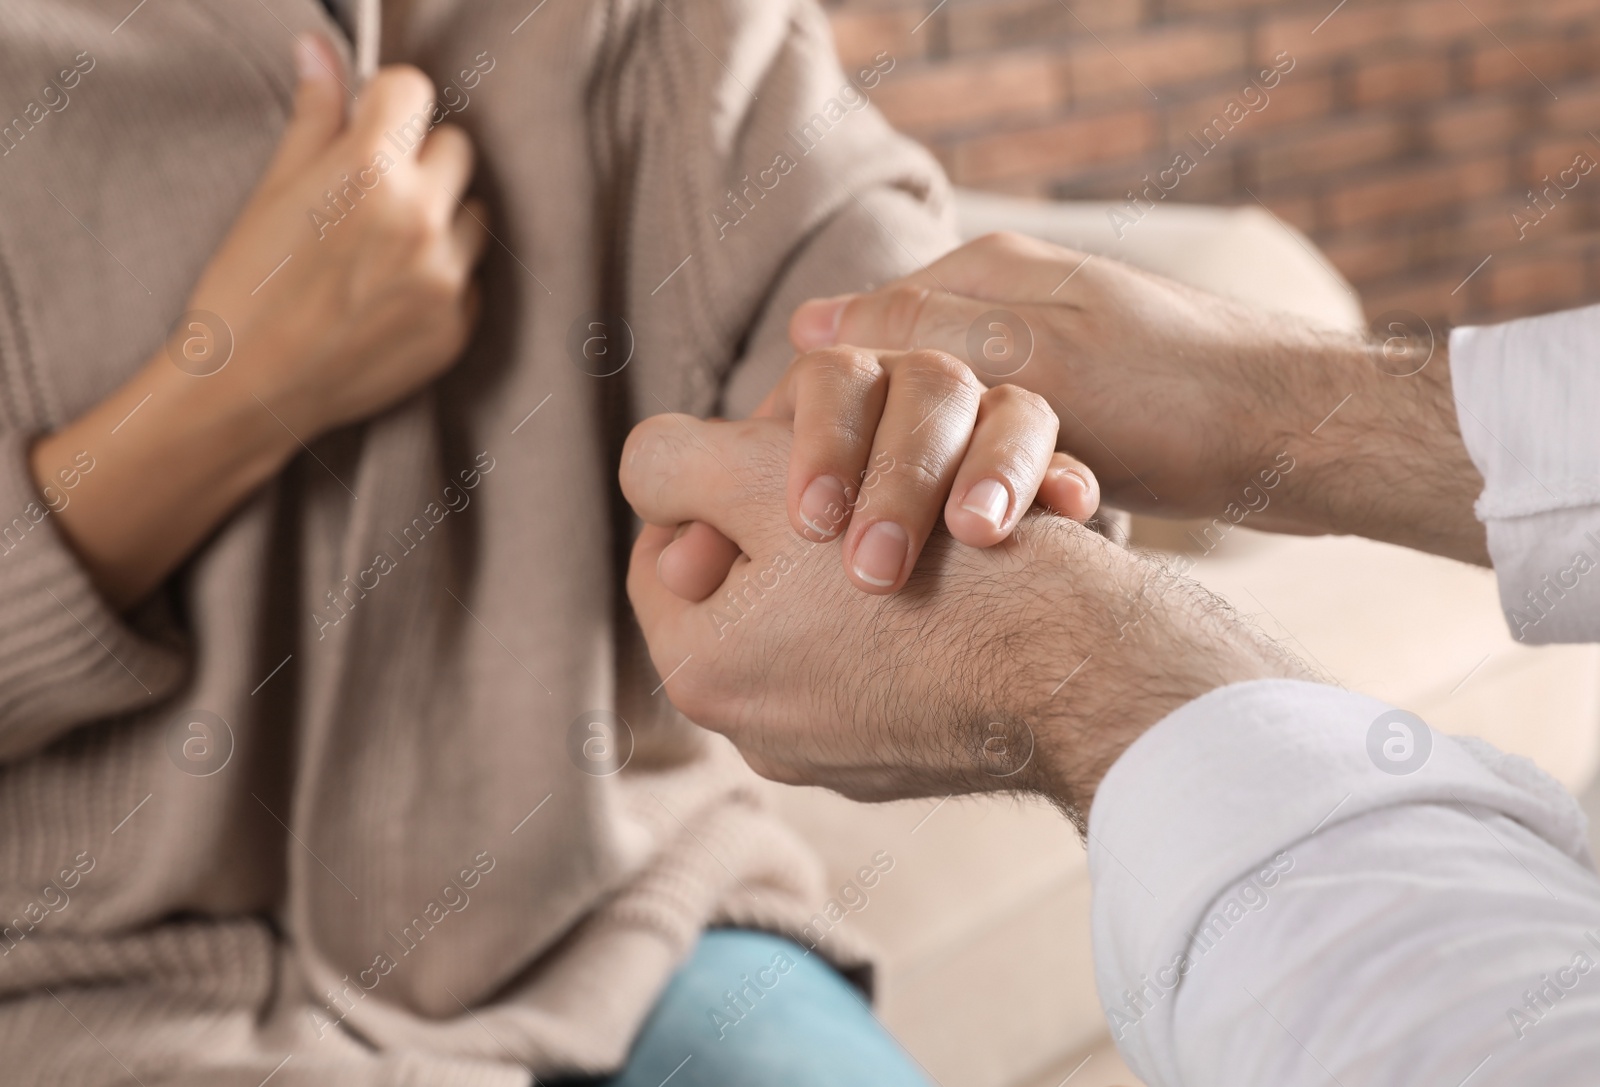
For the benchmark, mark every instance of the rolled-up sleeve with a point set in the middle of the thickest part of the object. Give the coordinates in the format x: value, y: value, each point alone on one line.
x: 66, y: 656
x: 1528, y: 399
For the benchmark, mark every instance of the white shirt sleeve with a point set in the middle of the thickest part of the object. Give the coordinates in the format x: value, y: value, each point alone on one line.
x: 1296, y: 885
x: 1528, y: 399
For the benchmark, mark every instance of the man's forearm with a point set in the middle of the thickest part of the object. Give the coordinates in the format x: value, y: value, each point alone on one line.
x: 1376, y: 455
x: 1141, y: 646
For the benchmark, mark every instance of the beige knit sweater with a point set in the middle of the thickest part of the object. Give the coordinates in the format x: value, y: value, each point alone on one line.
x: 404, y: 867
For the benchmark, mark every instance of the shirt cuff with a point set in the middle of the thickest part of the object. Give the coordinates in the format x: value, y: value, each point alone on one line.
x: 1526, y: 395
x: 1214, y: 795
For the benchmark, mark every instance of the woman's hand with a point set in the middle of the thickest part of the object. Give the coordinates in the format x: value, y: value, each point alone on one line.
x: 343, y: 287
x: 884, y: 443
x: 374, y: 297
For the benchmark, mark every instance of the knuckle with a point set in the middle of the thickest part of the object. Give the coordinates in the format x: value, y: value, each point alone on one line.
x: 941, y: 371
x: 842, y: 365
x: 1025, y: 401
x: 651, y: 451
x: 921, y: 476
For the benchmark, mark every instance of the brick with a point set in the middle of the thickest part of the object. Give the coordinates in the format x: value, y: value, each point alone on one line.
x: 1212, y: 7
x: 1369, y: 255
x: 1413, y: 191
x: 1472, y: 125
x: 1336, y: 146
x: 1477, y: 230
x: 861, y: 35
x: 1536, y: 284
x: 1552, y: 155
x: 1568, y: 219
x: 1443, y: 20
x: 1310, y: 40
x: 1403, y: 141
x: 1426, y: 293
x: 1578, y: 109
x: 1141, y: 64
x: 1522, y: 61
x: 1054, y: 150
x: 1299, y: 99
x: 985, y: 25
x: 961, y: 94
x: 1403, y: 78
x: 1298, y: 211
x: 1288, y: 106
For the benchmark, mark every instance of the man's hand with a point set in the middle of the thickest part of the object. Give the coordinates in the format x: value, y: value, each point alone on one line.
x: 1178, y: 400
x: 1028, y: 665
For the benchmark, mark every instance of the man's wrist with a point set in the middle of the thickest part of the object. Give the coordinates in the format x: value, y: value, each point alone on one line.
x: 1377, y: 448
x: 1106, y: 645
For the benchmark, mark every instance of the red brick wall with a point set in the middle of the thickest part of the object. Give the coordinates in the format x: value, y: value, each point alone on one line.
x: 1405, y: 140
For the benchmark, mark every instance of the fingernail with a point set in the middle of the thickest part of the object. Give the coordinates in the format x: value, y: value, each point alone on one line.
x: 823, y: 506
x: 1077, y: 476
x: 816, y: 323
x: 306, y: 58
x: 1084, y: 481
x: 990, y: 500
x: 1060, y: 474
x: 881, y: 554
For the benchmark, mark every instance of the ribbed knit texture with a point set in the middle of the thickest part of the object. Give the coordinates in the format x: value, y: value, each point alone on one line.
x: 188, y: 929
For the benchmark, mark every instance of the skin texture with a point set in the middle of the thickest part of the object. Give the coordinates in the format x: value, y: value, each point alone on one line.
x: 352, y: 323
x: 1175, y: 399
x: 920, y: 432
x: 952, y: 684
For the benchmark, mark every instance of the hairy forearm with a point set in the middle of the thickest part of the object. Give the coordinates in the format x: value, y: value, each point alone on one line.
x: 1102, y: 645
x: 1377, y: 455
x: 173, y: 455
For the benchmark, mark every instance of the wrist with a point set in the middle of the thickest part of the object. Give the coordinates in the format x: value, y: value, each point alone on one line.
x: 1107, y: 645
x: 220, y: 414
x: 1382, y: 454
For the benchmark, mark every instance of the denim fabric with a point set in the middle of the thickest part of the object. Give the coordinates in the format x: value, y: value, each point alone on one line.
x: 753, y: 1010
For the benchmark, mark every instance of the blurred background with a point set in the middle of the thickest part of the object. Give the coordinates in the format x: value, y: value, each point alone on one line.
x: 1403, y: 142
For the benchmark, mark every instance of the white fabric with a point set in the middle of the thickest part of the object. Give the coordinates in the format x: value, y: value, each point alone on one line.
x: 1280, y: 899
x: 1528, y: 398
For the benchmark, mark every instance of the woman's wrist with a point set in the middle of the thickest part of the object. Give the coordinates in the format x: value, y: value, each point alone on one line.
x: 174, y: 454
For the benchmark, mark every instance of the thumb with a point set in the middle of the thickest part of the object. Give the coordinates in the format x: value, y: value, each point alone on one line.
x: 319, y: 106
x: 816, y: 323
x: 676, y: 469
